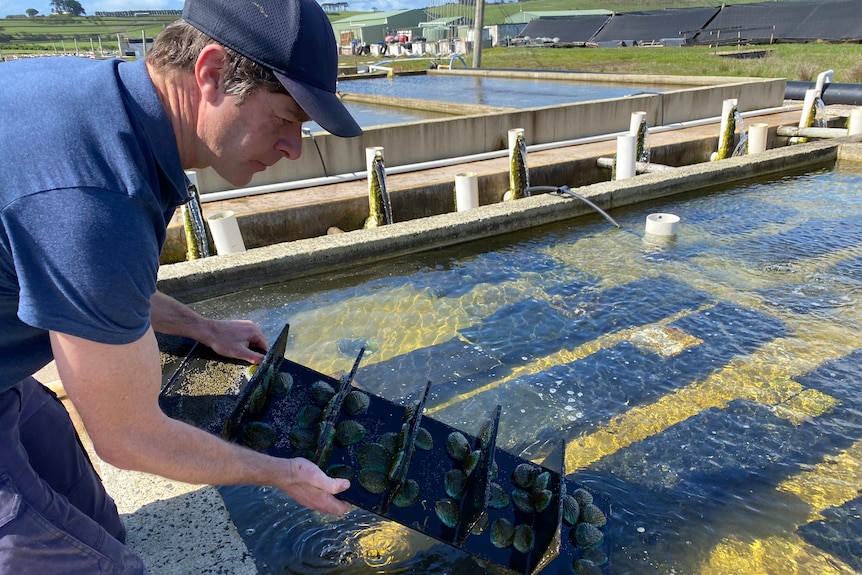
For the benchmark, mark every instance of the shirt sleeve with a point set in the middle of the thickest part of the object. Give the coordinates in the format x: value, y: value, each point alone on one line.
x: 86, y: 262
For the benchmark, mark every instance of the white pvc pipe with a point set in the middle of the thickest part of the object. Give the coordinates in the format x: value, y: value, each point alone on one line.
x: 626, y: 149
x: 513, y: 137
x: 370, y: 154
x: 225, y: 232
x: 854, y: 127
x: 636, y: 121
x: 728, y: 111
x: 823, y: 78
x: 757, y: 135
x: 466, y: 191
x: 445, y: 162
x: 811, y: 96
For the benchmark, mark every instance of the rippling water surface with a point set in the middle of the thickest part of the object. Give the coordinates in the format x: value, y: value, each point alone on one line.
x: 708, y: 387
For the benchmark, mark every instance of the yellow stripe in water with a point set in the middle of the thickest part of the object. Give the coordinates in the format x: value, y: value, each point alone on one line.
x: 772, y: 556
x: 763, y: 377
x: 559, y: 358
x: 831, y: 483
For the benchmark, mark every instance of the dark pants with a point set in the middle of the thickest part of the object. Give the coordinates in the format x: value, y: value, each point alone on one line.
x: 55, y: 516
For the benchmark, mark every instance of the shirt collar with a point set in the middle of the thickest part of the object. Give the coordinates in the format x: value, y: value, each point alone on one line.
x: 154, y: 123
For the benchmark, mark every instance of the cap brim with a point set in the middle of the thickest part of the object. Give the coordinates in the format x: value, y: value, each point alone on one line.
x: 323, y: 106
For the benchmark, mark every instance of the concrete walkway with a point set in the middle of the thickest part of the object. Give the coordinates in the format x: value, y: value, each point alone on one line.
x: 177, y: 528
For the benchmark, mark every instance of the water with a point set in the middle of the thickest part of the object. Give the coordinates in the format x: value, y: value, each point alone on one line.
x: 502, y: 92
x: 708, y: 386
x: 487, y: 91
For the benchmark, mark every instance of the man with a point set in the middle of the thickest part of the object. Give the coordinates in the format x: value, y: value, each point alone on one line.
x: 91, y: 170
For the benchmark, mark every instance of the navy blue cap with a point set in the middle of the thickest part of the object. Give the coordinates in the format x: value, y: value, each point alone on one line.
x: 293, y: 38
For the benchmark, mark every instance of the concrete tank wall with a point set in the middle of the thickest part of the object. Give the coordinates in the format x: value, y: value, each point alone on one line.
x: 415, y: 142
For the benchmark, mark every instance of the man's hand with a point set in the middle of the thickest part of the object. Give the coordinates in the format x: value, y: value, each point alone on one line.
x: 236, y: 338
x: 230, y: 338
x: 309, y: 486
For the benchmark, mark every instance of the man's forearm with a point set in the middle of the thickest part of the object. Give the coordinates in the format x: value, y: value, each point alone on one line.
x: 172, y: 317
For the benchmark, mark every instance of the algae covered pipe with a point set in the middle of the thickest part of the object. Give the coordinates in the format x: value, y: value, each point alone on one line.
x: 728, y: 130
x: 198, y: 239
x: 519, y: 175
x: 379, y: 205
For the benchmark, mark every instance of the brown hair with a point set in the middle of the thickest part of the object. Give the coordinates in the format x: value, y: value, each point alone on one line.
x: 177, y: 48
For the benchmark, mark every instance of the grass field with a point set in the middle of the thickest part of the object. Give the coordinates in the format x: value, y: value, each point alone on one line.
x: 791, y: 61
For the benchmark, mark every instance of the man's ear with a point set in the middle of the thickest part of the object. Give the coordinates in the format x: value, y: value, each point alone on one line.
x: 209, y: 71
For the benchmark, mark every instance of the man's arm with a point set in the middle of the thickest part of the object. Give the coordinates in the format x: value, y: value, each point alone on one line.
x: 115, y: 390
x: 230, y: 338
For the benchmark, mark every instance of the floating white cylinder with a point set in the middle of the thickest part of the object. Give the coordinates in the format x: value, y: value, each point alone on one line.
x: 466, y: 191
x: 225, y: 232
x: 854, y: 127
x: 757, y: 135
x: 662, y: 224
x: 636, y: 121
x: 626, y: 149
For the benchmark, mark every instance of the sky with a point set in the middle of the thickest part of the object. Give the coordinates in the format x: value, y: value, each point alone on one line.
x: 8, y: 7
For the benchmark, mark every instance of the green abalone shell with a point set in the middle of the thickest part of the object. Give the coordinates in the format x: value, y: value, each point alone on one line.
x: 587, y: 536
x: 308, y: 416
x: 523, y: 538
x: 302, y: 438
x: 407, y: 494
x: 340, y: 471
x: 390, y: 441
x: 523, y: 500
x: 541, y: 481
x: 374, y: 456
x: 591, y: 513
x: 356, y: 403
x: 541, y: 499
x: 348, y: 432
x: 481, y: 524
x: 502, y: 533
x: 596, y: 555
x: 448, y: 512
x: 497, y: 497
x: 280, y: 384
x: 583, y: 566
x: 321, y: 393
x: 424, y: 440
x: 455, y: 483
x: 373, y: 481
x: 571, y: 510
x: 259, y: 436
x: 471, y: 461
x: 524, y: 475
x: 582, y: 496
x: 457, y: 446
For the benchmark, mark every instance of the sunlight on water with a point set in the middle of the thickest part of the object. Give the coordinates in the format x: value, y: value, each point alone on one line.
x: 708, y: 386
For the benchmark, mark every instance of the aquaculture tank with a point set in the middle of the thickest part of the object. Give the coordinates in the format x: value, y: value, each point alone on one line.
x: 705, y: 387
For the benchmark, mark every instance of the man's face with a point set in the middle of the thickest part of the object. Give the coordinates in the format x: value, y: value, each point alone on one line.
x: 248, y: 138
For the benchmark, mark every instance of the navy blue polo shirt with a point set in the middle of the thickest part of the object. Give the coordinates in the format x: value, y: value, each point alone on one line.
x: 89, y: 178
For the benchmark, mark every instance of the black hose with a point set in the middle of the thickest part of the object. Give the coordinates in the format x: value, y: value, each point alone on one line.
x: 566, y: 191
x: 831, y: 92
